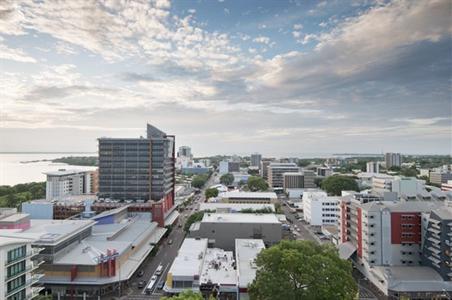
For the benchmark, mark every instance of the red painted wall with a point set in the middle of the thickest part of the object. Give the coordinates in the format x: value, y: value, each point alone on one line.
x: 399, y: 231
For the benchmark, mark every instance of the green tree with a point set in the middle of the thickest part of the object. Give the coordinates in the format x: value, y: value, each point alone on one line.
x: 198, y: 181
x: 256, y: 183
x: 302, y: 270
x: 185, y: 295
x: 253, y: 172
x: 409, y: 172
x: 212, y: 192
x: 335, y: 184
x: 196, y: 217
x: 227, y: 179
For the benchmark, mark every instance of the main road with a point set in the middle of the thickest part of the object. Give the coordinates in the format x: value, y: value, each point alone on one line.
x: 166, y: 253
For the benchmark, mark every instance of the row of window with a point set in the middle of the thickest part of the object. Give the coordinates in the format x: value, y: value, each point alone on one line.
x: 15, y: 269
x: 17, y: 253
x: 16, y: 283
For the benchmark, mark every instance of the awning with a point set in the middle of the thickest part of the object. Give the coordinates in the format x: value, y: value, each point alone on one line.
x: 169, y: 220
x: 346, y: 250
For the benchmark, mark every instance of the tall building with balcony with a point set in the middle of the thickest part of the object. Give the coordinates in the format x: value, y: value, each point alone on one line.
x: 18, y: 269
x: 393, y: 160
x: 276, y: 173
x: 64, y: 182
x: 139, y: 169
x: 256, y: 159
x: 437, y: 249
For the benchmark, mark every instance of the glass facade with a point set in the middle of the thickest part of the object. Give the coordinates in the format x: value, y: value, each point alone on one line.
x: 17, y: 253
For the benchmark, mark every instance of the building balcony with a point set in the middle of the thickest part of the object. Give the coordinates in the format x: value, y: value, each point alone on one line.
x: 34, y: 292
x: 30, y: 268
x: 30, y: 254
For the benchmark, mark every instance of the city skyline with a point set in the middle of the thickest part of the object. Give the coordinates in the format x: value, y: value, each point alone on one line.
x: 280, y: 78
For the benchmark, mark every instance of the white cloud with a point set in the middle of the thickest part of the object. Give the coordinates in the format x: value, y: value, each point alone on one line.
x: 296, y: 34
x: 262, y: 40
x: 14, y: 54
x: 298, y: 26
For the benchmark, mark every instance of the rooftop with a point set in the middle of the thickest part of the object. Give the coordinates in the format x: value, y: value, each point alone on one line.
x: 218, y: 267
x: 65, y: 172
x: 412, y: 278
x: 6, y: 240
x: 240, y: 218
x: 251, y: 195
x: 246, y: 250
x: 190, y: 257
x: 411, y: 206
x: 49, y: 232
x: 13, y: 218
x: 235, y: 207
x: 282, y: 165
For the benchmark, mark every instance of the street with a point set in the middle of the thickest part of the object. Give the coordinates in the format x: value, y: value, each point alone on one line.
x: 166, y: 253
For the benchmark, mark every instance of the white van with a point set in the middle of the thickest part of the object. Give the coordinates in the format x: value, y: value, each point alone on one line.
x: 159, y: 270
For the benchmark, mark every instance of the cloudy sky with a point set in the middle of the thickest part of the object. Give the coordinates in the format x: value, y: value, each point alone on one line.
x: 279, y: 77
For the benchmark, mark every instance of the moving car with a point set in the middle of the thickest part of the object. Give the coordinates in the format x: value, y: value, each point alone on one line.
x: 141, y: 284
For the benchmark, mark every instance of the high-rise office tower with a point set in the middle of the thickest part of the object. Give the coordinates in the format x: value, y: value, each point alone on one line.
x: 184, y: 151
x: 256, y: 160
x: 393, y: 160
x: 139, y: 169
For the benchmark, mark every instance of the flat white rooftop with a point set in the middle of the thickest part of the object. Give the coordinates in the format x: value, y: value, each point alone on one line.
x: 251, y: 195
x: 49, y: 232
x: 246, y: 250
x: 13, y: 218
x: 240, y: 218
x: 65, y: 172
x: 235, y: 206
x: 218, y: 267
x: 189, y: 260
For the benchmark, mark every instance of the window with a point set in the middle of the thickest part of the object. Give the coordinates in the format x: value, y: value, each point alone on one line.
x: 16, y: 283
x: 17, y: 253
x: 15, y: 269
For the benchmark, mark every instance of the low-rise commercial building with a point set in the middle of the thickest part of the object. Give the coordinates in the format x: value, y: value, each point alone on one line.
x: 324, y: 171
x: 293, y: 180
x: 90, y: 258
x: 440, y: 177
x: 222, y: 229
x: 207, y: 270
x: 228, y: 167
x: 248, y: 197
x: 235, y: 207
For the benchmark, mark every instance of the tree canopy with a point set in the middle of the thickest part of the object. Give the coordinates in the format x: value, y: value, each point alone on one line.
x: 335, y: 184
x: 256, y: 183
x: 195, y: 217
x: 227, y: 179
x: 185, y: 295
x: 199, y: 180
x: 13, y: 196
x: 302, y: 270
x: 211, y: 192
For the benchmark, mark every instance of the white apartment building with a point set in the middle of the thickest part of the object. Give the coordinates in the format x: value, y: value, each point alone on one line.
x: 373, y: 167
x: 69, y: 182
x: 320, y: 209
x: 17, y: 269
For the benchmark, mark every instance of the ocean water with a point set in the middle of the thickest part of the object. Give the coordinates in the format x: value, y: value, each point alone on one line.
x: 13, y: 170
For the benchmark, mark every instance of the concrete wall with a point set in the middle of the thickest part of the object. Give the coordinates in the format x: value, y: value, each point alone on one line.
x: 225, y: 234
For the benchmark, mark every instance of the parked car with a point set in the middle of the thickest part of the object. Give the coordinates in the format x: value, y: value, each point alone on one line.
x: 161, y: 284
x: 140, y: 273
x: 170, y: 242
x: 141, y: 284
